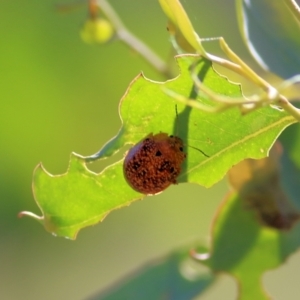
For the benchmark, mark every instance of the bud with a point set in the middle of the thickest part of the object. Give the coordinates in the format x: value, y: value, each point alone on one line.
x: 97, y: 31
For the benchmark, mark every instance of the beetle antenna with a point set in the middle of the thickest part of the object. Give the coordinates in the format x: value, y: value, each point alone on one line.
x: 177, y: 131
x: 199, y: 150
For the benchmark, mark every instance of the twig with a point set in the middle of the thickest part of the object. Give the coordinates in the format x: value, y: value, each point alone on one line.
x: 132, y: 41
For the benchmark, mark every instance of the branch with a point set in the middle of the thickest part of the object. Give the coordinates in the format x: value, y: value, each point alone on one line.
x: 132, y: 41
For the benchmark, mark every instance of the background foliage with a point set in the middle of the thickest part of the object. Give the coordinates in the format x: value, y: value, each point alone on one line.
x: 53, y: 90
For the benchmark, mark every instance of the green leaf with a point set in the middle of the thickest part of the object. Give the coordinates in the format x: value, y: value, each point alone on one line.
x: 227, y: 137
x: 245, y: 249
x: 173, y: 277
x: 176, y: 13
x: 290, y: 163
x: 271, y: 32
x: 81, y: 198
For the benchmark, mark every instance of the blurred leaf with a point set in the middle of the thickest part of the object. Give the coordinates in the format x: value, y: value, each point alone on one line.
x: 173, y: 278
x: 259, y: 185
x: 81, y: 198
x: 256, y: 227
x: 178, y: 40
x: 271, y: 32
x: 245, y: 249
x: 290, y: 179
x: 290, y: 139
x: 290, y: 163
x: 178, y: 17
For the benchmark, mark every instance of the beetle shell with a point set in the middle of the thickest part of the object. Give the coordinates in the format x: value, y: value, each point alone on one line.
x: 154, y: 163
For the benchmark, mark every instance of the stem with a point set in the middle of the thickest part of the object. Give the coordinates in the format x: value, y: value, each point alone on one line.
x: 246, y: 71
x: 287, y: 106
x: 132, y: 41
x: 237, y: 65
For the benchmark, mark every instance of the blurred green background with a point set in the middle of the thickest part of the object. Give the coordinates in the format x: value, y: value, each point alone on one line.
x: 60, y: 95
